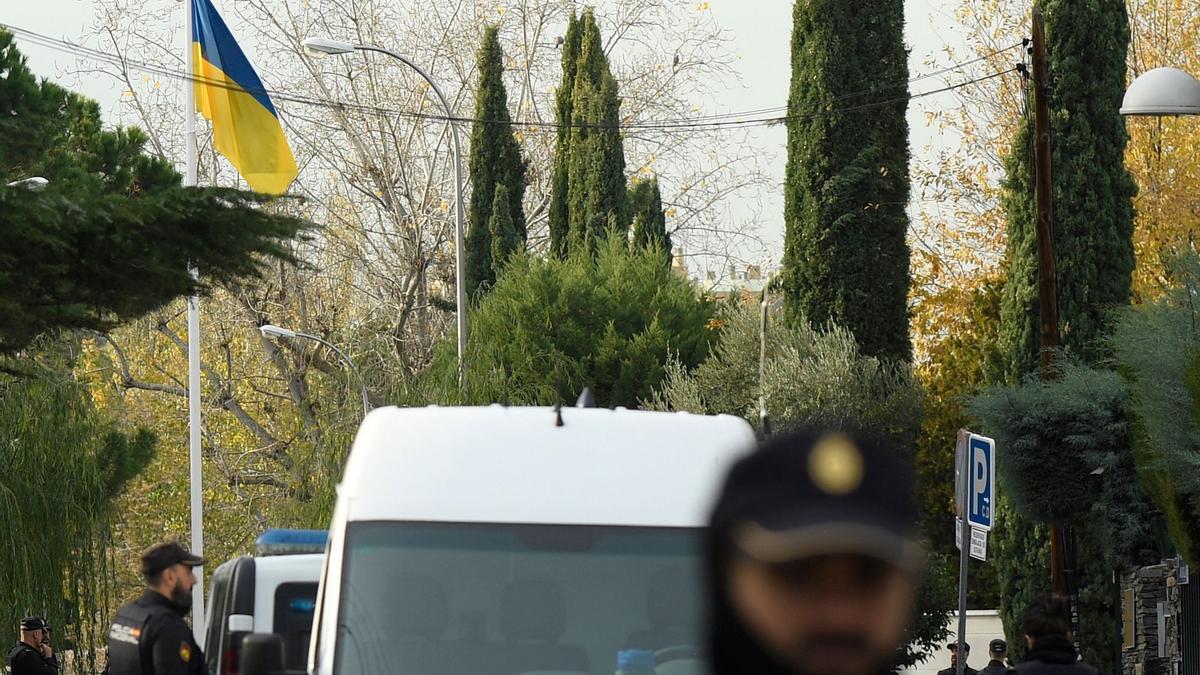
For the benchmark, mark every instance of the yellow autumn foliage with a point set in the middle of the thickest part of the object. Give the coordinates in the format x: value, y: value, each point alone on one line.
x: 1163, y: 153
x: 959, y: 238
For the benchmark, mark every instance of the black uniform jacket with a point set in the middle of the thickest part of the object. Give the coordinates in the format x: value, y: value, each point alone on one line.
x: 1054, y: 655
x: 994, y: 667
x: 150, y: 637
x: 25, y: 660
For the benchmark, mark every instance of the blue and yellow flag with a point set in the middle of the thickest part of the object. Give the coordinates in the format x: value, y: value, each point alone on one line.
x: 246, y: 127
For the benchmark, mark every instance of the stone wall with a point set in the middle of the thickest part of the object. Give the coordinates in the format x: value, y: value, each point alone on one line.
x: 1148, y: 587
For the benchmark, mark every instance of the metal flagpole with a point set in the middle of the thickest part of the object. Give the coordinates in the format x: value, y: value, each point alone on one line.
x: 193, y: 332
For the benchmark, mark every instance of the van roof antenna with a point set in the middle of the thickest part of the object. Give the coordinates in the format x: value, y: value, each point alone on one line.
x: 558, y: 398
x: 586, y: 399
x: 763, y: 415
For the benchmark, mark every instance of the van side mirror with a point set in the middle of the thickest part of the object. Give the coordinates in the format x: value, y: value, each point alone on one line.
x: 262, y: 654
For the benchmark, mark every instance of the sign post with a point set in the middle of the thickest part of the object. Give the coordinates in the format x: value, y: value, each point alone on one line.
x: 975, y: 499
x: 964, y: 537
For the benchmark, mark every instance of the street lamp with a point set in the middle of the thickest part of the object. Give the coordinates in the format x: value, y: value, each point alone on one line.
x: 278, y: 333
x: 1162, y: 92
x: 35, y: 184
x: 325, y: 47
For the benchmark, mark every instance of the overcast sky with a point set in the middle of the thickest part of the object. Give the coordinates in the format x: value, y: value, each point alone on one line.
x: 761, y: 32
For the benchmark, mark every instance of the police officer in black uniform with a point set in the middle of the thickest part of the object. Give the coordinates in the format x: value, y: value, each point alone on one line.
x: 998, y: 653
x: 149, y: 635
x: 813, y: 558
x: 953, y: 669
x: 33, y: 654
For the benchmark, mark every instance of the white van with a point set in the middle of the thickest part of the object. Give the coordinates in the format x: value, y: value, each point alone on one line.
x: 515, y: 541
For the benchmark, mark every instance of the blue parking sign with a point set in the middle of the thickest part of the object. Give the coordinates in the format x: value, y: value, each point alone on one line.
x: 981, y: 481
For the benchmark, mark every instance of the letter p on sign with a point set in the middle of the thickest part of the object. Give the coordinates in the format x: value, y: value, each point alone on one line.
x: 982, y: 497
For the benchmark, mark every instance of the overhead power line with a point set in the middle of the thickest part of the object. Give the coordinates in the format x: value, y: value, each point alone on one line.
x: 843, y: 97
x: 735, y: 120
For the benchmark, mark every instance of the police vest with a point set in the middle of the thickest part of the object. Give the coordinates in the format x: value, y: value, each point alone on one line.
x: 128, y: 652
x: 13, y: 653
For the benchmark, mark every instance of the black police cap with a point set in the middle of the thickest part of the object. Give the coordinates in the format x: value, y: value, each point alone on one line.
x: 953, y: 646
x: 31, y: 623
x: 163, y: 556
x: 814, y: 493
x: 998, y: 646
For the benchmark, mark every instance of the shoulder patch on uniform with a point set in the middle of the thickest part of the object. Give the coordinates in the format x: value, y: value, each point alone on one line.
x: 185, y: 652
x: 127, y: 634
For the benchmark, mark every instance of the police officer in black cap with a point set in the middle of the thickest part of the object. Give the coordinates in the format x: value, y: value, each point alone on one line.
x: 149, y: 635
x: 33, y: 654
x: 813, y: 558
x: 953, y: 669
x: 998, y: 654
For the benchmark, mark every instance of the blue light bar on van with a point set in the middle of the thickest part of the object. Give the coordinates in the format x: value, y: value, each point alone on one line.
x: 285, y: 542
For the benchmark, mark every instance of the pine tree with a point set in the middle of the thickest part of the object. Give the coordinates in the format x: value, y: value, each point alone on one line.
x: 1086, y: 45
x: 649, y: 220
x: 505, y: 239
x: 113, y: 234
x: 846, y: 258
x: 560, y: 225
x: 495, y: 161
x: 550, y: 327
x: 597, y: 197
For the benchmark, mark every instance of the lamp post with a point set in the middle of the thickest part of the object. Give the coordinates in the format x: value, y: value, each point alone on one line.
x: 278, y: 332
x: 1162, y: 92
x: 321, y: 46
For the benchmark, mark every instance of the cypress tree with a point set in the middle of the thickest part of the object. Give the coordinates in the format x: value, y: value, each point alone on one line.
x: 1019, y: 307
x: 649, y: 220
x: 505, y: 238
x: 479, y: 273
x: 1087, y: 45
x: 846, y: 258
x: 614, y: 186
x: 597, y: 197
x: 583, y: 167
x: 564, y: 114
x: 495, y: 160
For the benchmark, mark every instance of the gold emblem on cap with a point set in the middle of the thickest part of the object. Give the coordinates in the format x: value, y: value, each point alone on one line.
x: 836, y: 465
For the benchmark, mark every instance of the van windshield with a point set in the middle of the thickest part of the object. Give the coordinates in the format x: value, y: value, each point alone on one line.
x: 457, y: 599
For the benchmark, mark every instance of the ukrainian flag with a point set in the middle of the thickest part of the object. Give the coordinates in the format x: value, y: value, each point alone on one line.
x: 246, y: 126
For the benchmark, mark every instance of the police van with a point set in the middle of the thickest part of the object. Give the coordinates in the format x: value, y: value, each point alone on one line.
x: 273, y: 591
x: 514, y: 541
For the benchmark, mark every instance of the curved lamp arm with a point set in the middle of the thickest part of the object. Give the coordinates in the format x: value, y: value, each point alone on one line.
x: 353, y: 368
x: 460, y: 228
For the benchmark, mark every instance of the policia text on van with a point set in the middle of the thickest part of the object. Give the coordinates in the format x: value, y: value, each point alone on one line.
x: 149, y: 635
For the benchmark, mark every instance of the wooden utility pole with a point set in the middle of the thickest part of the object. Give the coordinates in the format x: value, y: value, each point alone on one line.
x: 1047, y: 280
x: 1047, y: 289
